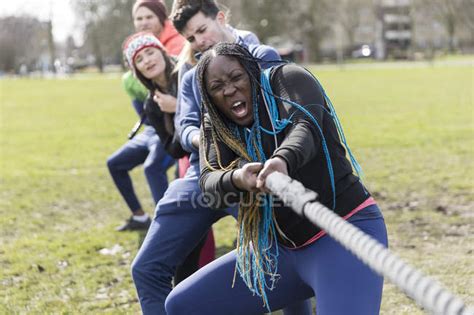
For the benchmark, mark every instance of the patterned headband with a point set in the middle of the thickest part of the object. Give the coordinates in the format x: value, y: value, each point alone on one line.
x: 137, y: 42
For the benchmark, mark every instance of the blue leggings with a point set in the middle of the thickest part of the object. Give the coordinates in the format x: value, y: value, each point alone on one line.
x: 341, y: 283
x: 145, y: 149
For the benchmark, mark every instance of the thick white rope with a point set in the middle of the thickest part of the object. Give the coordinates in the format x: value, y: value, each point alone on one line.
x: 426, y: 292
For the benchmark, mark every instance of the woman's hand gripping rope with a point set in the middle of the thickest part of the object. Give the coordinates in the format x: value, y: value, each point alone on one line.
x: 251, y: 177
x: 275, y: 164
x: 245, y: 178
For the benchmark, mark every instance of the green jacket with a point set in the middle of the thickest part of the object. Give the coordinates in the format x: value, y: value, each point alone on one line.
x: 133, y: 87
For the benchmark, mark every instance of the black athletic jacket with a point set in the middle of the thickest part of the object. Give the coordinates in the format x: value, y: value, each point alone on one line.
x: 300, y: 145
x: 163, y: 122
x: 164, y: 126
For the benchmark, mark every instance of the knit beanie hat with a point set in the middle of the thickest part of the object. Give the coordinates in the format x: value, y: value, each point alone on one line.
x: 156, y: 6
x: 137, y: 42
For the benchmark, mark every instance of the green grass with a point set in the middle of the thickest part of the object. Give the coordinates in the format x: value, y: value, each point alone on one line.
x: 411, y: 129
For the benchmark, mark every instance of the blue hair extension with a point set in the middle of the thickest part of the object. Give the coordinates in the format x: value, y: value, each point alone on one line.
x: 268, y: 94
x: 272, y: 107
x: 267, y: 230
x: 333, y: 113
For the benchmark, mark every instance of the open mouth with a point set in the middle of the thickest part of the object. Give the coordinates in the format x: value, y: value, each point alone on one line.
x: 239, y: 109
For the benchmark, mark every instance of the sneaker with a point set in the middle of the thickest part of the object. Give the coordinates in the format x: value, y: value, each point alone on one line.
x: 134, y: 225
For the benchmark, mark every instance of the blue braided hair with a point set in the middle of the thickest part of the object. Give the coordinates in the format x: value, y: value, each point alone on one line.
x: 271, y: 103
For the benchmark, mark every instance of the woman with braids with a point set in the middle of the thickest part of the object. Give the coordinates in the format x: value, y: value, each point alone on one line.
x: 256, y: 122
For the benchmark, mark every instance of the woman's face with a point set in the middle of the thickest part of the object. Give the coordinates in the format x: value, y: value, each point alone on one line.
x: 228, y: 85
x: 150, y: 62
x: 145, y: 20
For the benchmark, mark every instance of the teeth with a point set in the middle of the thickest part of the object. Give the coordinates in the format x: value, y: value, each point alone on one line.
x: 237, y: 104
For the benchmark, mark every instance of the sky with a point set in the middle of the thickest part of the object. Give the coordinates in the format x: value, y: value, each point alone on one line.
x: 64, y: 21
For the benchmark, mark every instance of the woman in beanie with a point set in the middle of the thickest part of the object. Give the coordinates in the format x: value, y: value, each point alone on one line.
x: 151, y: 15
x: 154, y: 69
x: 145, y: 147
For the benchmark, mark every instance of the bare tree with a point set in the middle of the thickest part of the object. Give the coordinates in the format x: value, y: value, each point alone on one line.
x: 91, y: 12
x: 106, y: 24
x: 314, y: 19
x: 15, y: 49
x: 349, y: 14
x: 466, y: 17
x: 306, y: 21
x: 267, y: 18
x: 51, y: 46
x: 450, y: 14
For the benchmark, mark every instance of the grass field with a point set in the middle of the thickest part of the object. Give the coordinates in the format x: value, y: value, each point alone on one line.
x: 411, y: 129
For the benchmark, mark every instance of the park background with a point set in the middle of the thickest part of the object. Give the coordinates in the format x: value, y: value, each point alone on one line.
x: 403, y: 90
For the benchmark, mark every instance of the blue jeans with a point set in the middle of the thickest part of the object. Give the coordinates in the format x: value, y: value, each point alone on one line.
x: 145, y: 148
x: 180, y: 222
x: 341, y: 283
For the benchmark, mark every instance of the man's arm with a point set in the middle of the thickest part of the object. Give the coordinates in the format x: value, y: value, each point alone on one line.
x: 267, y: 54
x: 247, y: 37
x: 188, y: 114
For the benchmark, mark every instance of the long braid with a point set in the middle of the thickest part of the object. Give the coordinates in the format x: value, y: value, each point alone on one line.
x: 256, y: 263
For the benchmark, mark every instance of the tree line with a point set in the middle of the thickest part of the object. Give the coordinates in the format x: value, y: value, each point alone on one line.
x: 313, y: 24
